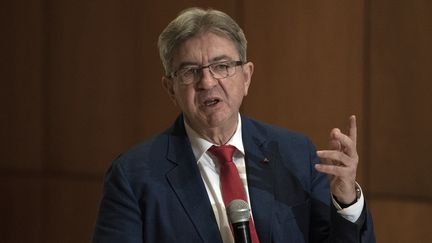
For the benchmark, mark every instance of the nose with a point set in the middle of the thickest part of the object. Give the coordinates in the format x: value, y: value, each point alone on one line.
x: 206, y: 81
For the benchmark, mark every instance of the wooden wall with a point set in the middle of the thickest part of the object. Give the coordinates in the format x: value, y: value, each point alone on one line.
x: 81, y: 83
x: 400, y: 114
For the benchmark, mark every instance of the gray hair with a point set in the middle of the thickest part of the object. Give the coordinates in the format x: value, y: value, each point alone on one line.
x: 193, y: 21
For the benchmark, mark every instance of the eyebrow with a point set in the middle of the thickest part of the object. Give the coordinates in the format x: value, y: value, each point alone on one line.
x: 220, y: 58
x: 213, y: 60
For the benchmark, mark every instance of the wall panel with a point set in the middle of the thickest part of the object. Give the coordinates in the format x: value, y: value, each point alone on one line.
x: 21, y: 209
x: 401, y: 104
x: 70, y: 208
x: 21, y: 101
x: 402, y: 220
x: 400, y: 116
x: 96, y: 86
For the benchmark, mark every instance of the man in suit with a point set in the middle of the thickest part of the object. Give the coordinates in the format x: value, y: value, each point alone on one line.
x: 170, y: 188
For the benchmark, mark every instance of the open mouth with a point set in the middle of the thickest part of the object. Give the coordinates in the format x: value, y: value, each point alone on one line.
x: 211, y: 102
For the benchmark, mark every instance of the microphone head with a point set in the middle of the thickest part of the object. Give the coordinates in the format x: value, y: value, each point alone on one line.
x: 238, y: 211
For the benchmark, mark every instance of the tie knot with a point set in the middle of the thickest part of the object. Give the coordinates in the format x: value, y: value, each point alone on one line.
x: 224, y: 152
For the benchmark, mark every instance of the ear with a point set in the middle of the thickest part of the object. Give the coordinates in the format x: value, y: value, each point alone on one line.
x: 168, y: 85
x: 248, y: 69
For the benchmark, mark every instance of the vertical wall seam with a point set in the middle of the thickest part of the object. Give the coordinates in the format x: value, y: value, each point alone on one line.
x: 45, y: 112
x: 367, y: 91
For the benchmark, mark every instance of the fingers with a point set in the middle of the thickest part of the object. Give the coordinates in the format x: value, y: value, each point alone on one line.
x: 338, y: 171
x: 335, y: 144
x: 334, y: 157
x: 343, y: 151
x: 352, y: 131
x: 347, y: 142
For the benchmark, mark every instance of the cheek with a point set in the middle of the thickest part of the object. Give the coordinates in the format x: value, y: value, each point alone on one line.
x: 240, y: 91
x: 185, y: 98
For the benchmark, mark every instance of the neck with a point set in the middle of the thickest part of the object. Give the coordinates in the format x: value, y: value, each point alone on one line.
x: 218, y: 135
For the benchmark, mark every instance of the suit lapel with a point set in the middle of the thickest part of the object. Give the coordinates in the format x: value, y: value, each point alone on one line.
x: 260, y: 178
x: 185, y: 180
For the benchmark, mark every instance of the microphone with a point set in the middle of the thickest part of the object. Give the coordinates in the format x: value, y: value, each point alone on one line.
x: 239, y: 214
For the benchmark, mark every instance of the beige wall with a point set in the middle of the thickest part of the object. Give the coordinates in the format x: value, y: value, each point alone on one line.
x: 81, y: 83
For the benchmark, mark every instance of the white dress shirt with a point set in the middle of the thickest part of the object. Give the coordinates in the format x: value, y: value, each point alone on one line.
x: 209, y: 169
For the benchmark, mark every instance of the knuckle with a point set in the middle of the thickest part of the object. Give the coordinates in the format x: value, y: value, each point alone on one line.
x: 339, y: 156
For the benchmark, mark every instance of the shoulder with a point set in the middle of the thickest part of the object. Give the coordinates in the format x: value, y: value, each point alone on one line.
x: 273, y: 132
x: 152, y: 152
x: 147, y: 148
x: 144, y: 159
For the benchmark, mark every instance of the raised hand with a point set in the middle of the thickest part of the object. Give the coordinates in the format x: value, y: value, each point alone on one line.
x: 340, y: 162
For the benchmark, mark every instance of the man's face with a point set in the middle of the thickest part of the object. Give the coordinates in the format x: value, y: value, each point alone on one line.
x: 209, y: 103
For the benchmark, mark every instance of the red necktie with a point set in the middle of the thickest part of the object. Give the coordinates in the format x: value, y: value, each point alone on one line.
x: 231, y: 185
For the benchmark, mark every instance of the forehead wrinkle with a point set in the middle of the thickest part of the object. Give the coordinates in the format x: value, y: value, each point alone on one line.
x: 197, y: 51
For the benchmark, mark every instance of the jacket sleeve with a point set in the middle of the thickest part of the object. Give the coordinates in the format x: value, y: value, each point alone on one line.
x: 119, y: 217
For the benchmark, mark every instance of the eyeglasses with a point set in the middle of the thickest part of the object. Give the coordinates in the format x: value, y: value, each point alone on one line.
x: 219, y: 70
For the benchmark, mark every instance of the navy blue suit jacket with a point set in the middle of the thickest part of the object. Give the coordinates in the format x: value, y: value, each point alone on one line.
x: 154, y: 192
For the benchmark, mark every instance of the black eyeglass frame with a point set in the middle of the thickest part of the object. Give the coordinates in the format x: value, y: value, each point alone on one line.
x: 198, y: 70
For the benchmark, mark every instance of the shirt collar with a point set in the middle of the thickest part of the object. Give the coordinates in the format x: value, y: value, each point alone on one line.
x: 200, y: 145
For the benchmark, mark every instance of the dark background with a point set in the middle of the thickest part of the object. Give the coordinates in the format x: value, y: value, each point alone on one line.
x: 80, y: 82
